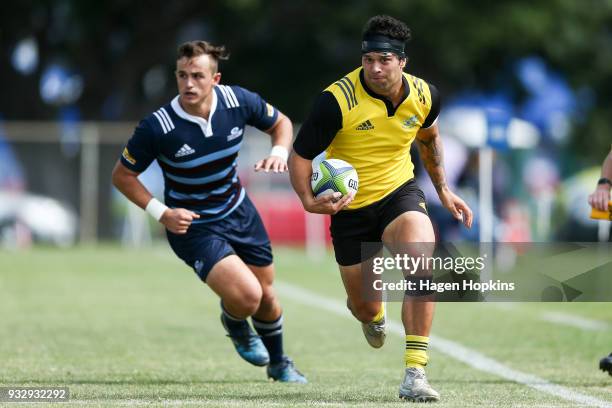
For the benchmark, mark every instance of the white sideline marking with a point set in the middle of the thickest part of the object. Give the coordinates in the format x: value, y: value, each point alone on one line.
x: 564, y: 319
x: 453, y: 350
x: 506, y: 306
x: 574, y: 321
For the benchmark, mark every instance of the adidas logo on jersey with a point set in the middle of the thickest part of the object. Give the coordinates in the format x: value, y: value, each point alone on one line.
x: 184, y: 151
x: 367, y: 125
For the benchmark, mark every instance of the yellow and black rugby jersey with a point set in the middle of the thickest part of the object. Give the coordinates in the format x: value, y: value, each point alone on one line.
x: 350, y: 122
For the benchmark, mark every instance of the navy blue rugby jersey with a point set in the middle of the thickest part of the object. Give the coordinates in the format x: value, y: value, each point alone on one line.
x: 198, y: 156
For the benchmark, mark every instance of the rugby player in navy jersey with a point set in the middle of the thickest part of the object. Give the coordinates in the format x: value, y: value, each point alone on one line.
x: 210, y: 222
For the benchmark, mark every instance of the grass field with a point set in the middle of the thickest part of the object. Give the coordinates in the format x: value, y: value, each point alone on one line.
x: 135, y: 327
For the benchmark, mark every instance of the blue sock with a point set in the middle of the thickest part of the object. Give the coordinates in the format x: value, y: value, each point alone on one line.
x: 272, y: 336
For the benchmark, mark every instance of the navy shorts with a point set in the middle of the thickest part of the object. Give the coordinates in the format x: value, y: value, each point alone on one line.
x: 241, y: 233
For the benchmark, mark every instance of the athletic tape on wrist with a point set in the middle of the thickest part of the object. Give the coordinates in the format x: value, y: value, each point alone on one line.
x: 280, y: 151
x: 155, y: 208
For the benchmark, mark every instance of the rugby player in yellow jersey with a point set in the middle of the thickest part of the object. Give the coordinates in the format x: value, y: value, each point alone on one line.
x: 370, y: 118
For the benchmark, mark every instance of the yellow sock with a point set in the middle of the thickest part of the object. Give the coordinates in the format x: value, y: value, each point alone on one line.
x: 416, y: 351
x: 381, y: 313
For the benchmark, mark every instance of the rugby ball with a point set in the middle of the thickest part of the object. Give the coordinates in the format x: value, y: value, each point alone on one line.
x: 333, y: 175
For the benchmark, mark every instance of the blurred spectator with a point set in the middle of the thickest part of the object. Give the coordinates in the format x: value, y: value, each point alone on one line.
x: 11, y: 172
x: 25, y: 218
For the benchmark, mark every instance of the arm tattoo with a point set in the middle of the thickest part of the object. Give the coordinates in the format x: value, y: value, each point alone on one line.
x: 431, y: 155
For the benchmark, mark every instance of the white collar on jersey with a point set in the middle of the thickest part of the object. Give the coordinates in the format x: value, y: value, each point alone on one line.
x: 205, y: 125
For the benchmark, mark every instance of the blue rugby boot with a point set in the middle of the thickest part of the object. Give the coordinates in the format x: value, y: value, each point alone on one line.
x: 285, y: 371
x: 248, y: 345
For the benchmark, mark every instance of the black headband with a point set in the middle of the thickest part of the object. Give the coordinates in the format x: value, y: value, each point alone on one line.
x: 382, y: 43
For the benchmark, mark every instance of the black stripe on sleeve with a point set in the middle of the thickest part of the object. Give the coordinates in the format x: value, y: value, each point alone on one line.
x: 435, y: 107
x: 320, y: 127
x: 344, y: 88
x: 351, y: 89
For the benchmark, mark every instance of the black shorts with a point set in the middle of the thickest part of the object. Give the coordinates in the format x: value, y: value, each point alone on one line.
x: 349, y: 228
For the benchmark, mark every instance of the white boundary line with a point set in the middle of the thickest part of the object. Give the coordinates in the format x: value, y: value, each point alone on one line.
x: 452, y: 349
x: 567, y: 319
x: 561, y: 318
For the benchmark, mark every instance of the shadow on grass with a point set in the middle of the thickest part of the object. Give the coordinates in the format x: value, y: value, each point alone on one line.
x: 245, y: 391
x: 145, y: 381
x: 262, y: 382
x: 276, y: 398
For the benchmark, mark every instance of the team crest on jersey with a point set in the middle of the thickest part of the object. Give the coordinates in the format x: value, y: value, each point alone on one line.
x: 410, y: 123
x: 234, y: 133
